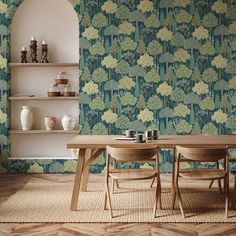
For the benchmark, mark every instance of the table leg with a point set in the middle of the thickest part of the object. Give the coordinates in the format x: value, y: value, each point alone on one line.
x: 77, y: 181
x: 85, y: 175
x: 89, y: 157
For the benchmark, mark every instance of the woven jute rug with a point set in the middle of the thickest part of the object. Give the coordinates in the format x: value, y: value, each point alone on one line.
x: 50, y: 202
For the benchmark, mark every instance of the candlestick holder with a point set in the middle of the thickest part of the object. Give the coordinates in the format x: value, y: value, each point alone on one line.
x: 24, y: 56
x: 33, y: 50
x: 44, y: 54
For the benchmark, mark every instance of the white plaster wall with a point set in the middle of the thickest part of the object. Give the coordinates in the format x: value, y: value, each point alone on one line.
x: 56, y: 22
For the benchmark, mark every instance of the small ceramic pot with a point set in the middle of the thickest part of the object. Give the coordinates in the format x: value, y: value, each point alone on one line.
x: 68, y: 122
x: 26, y: 117
x: 50, y: 122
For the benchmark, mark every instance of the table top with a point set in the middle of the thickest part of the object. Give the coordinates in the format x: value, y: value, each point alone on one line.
x: 163, y: 141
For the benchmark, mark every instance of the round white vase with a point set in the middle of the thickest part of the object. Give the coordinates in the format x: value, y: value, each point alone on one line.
x: 26, y: 118
x: 68, y: 122
x: 50, y: 122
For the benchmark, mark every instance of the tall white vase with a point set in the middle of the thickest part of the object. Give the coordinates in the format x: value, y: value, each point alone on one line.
x: 26, y: 118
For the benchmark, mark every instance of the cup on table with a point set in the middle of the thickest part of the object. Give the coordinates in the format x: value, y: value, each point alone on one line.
x: 154, y: 134
x: 149, y: 134
x: 139, y: 138
x: 130, y: 133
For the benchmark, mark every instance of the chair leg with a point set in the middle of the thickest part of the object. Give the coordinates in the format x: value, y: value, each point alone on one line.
x: 105, y: 200
x: 173, y: 198
x: 117, y: 184
x: 173, y: 191
x: 211, y: 183
x: 180, y: 201
x: 114, y: 181
x: 219, y: 185
x: 226, y: 196
x: 159, y: 193
x: 153, y: 180
x: 219, y: 181
x: 234, y: 193
x: 109, y: 198
x: 157, y: 197
x: 113, y: 186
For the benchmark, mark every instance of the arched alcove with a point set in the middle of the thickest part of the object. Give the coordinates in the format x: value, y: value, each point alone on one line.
x: 56, y: 22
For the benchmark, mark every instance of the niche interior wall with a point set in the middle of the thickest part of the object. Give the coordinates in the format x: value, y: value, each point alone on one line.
x: 165, y: 63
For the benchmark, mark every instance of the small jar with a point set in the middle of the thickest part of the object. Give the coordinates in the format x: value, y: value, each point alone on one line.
x: 62, y: 75
x: 61, y: 78
x: 61, y: 88
x: 68, y: 90
x: 53, y: 90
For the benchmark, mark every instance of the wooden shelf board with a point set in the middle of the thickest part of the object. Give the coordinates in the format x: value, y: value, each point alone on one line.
x: 15, y: 64
x: 15, y: 98
x: 44, y: 131
x: 41, y: 158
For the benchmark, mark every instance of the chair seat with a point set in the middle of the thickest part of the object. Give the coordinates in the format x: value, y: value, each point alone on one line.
x: 132, y: 174
x: 202, y: 173
x: 146, y: 161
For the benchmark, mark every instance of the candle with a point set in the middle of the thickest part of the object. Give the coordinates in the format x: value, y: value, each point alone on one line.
x: 33, y: 38
x: 43, y: 42
x: 23, y: 49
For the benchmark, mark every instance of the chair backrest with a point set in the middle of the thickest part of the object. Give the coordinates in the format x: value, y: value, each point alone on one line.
x: 132, y: 154
x: 202, y: 153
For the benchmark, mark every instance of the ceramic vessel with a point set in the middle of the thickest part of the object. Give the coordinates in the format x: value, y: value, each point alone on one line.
x: 50, y: 122
x: 68, y: 122
x: 26, y: 117
x: 53, y: 90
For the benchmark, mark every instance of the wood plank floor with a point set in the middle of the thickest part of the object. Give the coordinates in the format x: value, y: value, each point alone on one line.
x: 9, y: 184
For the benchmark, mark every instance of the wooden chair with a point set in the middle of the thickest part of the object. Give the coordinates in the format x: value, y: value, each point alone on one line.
x: 201, y: 155
x: 136, y: 154
x: 234, y: 190
x: 232, y: 160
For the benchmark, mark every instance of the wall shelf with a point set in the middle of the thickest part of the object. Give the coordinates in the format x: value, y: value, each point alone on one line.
x: 44, y: 131
x: 16, y: 98
x: 41, y: 158
x: 16, y: 64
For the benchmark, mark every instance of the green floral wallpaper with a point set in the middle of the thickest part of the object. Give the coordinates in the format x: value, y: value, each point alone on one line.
x: 169, y: 64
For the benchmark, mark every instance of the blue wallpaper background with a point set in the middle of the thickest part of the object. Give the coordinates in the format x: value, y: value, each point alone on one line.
x: 166, y: 64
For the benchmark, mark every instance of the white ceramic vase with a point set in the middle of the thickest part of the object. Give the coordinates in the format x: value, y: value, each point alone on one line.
x: 68, y: 122
x: 26, y: 118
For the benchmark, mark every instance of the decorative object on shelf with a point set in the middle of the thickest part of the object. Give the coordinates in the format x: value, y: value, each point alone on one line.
x: 68, y: 91
x: 33, y: 50
x: 26, y: 117
x: 61, y: 78
x: 68, y: 122
x: 50, y: 122
x: 23, y: 95
x: 61, y: 81
x: 53, y: 90
x: 24, y: 55
x: 61, y: 88
x: 44, y: 53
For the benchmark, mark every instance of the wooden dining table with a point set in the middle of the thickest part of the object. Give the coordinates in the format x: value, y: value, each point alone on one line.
x: 91, y: 146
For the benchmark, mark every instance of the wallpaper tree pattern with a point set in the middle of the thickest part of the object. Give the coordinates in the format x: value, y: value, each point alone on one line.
x: 166, y: 64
